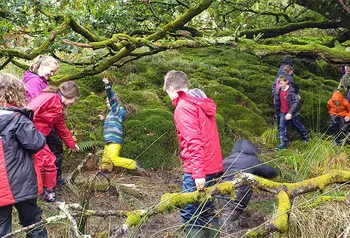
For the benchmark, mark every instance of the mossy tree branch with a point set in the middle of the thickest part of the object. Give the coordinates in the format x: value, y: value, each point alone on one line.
x: 285, y: 194
x: 180, y: 21
x: 312, y: 50
x: 329, y: 9
x: 42, y: 48
x: 269, y: 32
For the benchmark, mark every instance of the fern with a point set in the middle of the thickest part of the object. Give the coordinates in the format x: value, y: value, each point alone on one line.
x: 86, y: 145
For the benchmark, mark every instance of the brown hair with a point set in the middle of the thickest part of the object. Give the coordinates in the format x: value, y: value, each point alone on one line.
x: 287, y: 68
x: 68, y: 89
x: 12, y: 90
x: 42, y: 60
x: 176, y: 79
x: 283, y: 78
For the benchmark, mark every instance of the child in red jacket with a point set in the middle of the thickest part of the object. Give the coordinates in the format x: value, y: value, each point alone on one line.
x: 19, y: 177
x: 48, y: 110
x: 200, y: 150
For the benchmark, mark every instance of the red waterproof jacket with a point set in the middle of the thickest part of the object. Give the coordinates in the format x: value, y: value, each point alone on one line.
x: 343, y: 109
x: 198, y: 136
x: 19, y: 175
x: 48, y: 114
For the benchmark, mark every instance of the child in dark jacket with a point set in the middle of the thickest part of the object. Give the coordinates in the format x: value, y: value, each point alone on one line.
x: 244, y: 158
x: 287, y: 109
x: 113, y: 135
x: 20, y: 181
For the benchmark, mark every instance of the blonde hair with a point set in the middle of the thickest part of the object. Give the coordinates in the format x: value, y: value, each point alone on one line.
x: 176, y: 79
x: 12, y: 90
x: 42, y: 60
x: 68, y: 89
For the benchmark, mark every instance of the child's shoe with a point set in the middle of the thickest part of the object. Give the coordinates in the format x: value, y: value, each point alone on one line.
x: 280, y: 147
x: 106, y: 167
x: 139, y: 169
x: 50, y: 196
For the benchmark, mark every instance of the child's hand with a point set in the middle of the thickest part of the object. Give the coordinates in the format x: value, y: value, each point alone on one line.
x: 200, y: 183
x: 288, y: 116
x: 347, y: 118
x: 101, y: 117
x: 75, y: 148
x: 105, y: 80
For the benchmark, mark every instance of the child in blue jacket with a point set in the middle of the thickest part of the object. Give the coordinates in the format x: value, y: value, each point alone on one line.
x: 113, y: 134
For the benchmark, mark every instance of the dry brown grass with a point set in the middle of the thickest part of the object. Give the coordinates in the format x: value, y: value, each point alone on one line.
x: 327, y: 220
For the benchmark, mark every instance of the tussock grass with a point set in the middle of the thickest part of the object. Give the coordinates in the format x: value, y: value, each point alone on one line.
x: 327, y: 220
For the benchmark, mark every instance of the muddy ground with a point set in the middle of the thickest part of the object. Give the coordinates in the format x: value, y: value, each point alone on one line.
x: 149, y: 190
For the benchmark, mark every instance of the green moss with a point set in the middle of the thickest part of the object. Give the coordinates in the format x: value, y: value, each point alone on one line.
x: 227, y: 188
x: 283, y: 208
x: 134, y: 218
x: 170, y: 201
x: 150, y: 138
x: 103, y: 234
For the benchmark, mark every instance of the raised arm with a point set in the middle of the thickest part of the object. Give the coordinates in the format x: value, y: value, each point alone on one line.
x: 112, y: 97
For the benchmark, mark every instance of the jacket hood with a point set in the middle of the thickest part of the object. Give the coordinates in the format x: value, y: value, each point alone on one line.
x: 287, y: 60
x: 196, y: 92
x: 337, y: 96
x: 7, y: 115
x: 206, y: 104
x: 245, y: 146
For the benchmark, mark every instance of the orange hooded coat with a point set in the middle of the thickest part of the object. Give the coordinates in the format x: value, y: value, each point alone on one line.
x: 343, y: 109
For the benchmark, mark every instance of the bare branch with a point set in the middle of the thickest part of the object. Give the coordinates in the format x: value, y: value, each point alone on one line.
x: 346, y: 8
x: 8, y: 60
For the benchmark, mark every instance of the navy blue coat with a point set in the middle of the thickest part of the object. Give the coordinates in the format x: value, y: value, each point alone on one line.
x: 19, y: 140
x: 244, y: 158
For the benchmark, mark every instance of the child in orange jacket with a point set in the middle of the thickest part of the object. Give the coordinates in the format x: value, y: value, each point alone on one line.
x: 339, y: 110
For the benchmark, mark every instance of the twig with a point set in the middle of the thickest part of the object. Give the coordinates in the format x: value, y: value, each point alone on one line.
x: 71, y: 178
x: 80, y: 210
x: 64, y: 208
x: 346, y: 8
x: 41, y: 223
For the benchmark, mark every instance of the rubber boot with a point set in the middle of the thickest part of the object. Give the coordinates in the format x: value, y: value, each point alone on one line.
x: 213, y: 231
x: 195, y: 233
x: 282, y: 145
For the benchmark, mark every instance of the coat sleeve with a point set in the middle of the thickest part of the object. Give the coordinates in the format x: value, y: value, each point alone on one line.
x: 112, y: 98
x: 263, y: 170
x: 277, y: 101
x: 29, y: 137
x: 63, y: 132
x: 189, y: 129
x: 294, y: 102
x: 329, y: 106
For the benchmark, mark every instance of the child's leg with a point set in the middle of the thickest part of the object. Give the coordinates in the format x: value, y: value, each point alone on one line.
x: 29, y: 213
x: 120, y: 161
x: 56, y: 146
x: 282, y: 130
x: 296, y: 122
x: 5, y: 220
x: 48, y: 172
x: 106, y: 163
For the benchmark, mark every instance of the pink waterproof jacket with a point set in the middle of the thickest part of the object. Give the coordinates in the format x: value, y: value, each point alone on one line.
x: 34, y: 84
x: 198, y: 136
